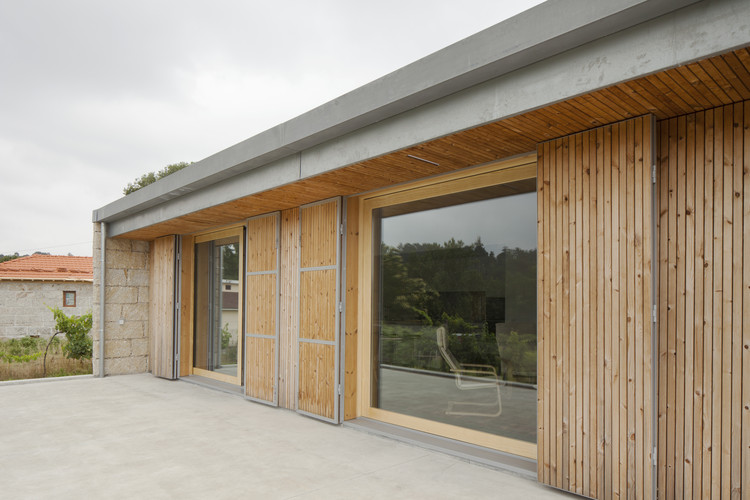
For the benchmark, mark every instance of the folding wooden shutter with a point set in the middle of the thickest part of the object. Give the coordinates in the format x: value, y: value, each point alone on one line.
x: 161, y: 317
x: 318, y: 343
x: 262, y: 309
x: 596, y: 411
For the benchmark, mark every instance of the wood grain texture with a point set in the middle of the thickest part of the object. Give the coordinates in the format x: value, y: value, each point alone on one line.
x: 317, y: 381
x: 318, y: 230
x: 187, y: 270
x: 260, y: 308
x: 318, y: 309
x: 288, y: 324
x: 595, y: 427
x: 704, y: 167
x: 161, y: 306
x: 261, y: 319
x: 262, y: 233
x: 352, y: 311
x: 260, y: 370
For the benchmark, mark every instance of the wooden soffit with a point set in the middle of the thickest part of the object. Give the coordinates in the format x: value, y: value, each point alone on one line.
x: 709, y: 83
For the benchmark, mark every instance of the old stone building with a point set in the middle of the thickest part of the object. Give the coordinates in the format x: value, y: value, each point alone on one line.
x: 29, y: 286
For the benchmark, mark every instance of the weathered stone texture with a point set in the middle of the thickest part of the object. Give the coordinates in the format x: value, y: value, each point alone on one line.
x: 125, y: 366
x: 126, y: 307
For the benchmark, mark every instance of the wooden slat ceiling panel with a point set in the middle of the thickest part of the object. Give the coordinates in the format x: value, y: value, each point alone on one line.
x: 705, y: 84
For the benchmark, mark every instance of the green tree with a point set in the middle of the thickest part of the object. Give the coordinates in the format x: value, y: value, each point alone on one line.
x: 5, y: 258
x: 152, y: 177
x: 406, y: 297
x: 230, y: 262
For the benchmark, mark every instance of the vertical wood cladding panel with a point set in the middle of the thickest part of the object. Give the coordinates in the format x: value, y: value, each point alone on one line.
x: 288, y: 307
x: 187, y: 263
x: 595, y: 287
x: 161, y: 307
x: 704, y: 304
x: 350, y: 327
x: 261, y: 308
x: 317, y: 381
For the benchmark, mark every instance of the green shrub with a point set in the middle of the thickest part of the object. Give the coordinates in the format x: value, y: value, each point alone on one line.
x: 76, y: 330
x: 20, y: 350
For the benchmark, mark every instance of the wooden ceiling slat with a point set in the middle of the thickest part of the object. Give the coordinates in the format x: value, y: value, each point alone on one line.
x: 682, y: 96
x: 464, y: 150
x: 555, y: 114
x: 623, y: 96
x: 496, y: 135
x: 440, y: 152
x: 690, y: 73
x: 557, y: 120
x: 705, y: 84
x: 714, y: 68
x: 517, y: 126
x: 607, y: 99
x: 733, y: 75
x: 599, y: 113
x: 636, y: 91
x: 741, y: 68
x: 687, y: 81
x: 743, y: 55
x: 661, y: 93
x: 701, y: 71
x: 574, y: 109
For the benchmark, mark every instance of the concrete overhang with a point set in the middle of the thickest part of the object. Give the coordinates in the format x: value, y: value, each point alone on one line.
x: 539, y: 57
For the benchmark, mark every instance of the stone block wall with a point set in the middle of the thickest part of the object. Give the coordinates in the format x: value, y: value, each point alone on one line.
x: 24, y: 305
x: 126, y: 343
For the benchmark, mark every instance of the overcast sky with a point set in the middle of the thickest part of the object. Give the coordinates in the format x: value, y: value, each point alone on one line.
x: 469, y: 222
x: 95, y: 93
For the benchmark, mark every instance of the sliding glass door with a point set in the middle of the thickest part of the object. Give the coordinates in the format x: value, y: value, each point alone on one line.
x: 217, y: 337
x: 452, y: 307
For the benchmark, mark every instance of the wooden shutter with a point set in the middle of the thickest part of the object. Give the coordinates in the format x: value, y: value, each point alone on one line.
x: 596, y: 400
x: 318, y: 343
x: 262, y: 309
x: 161, y: 312
x: 704, y: 304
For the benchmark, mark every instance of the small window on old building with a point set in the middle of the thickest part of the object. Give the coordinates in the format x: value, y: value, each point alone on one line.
x: 69, y: 299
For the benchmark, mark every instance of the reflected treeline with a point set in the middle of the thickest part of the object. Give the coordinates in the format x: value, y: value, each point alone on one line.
x: 486, y: 300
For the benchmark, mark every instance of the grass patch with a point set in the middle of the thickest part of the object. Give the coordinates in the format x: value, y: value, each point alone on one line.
x: 23, y: 358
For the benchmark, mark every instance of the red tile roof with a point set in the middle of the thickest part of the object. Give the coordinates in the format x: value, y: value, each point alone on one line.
x: 48, y: 268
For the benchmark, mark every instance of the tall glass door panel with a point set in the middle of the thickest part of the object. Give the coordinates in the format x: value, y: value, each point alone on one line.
x: 217, y: 300
x: 454, y: 310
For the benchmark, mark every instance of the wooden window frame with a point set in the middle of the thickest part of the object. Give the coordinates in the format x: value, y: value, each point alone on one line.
x: 65, y: 293
x: 520, y: 168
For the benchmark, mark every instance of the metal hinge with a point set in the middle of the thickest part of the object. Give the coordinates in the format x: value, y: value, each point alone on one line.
x: 653, y: 174
x: 653, y: 313
x: 341, y: 307
x: 653, y: 457
x: 341, y: 229
x: 338, y: 390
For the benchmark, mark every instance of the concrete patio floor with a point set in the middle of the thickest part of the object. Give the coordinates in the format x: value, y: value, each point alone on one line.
x: 138, y: 436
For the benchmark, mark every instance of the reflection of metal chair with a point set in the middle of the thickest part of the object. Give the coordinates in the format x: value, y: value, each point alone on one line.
x: 469, y: 377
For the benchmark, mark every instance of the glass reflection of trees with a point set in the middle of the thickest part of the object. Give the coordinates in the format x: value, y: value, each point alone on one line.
x: 487, y: 302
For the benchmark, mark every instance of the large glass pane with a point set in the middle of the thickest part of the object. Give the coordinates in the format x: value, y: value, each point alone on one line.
x: 216, y: 306
x: 454, y: 333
